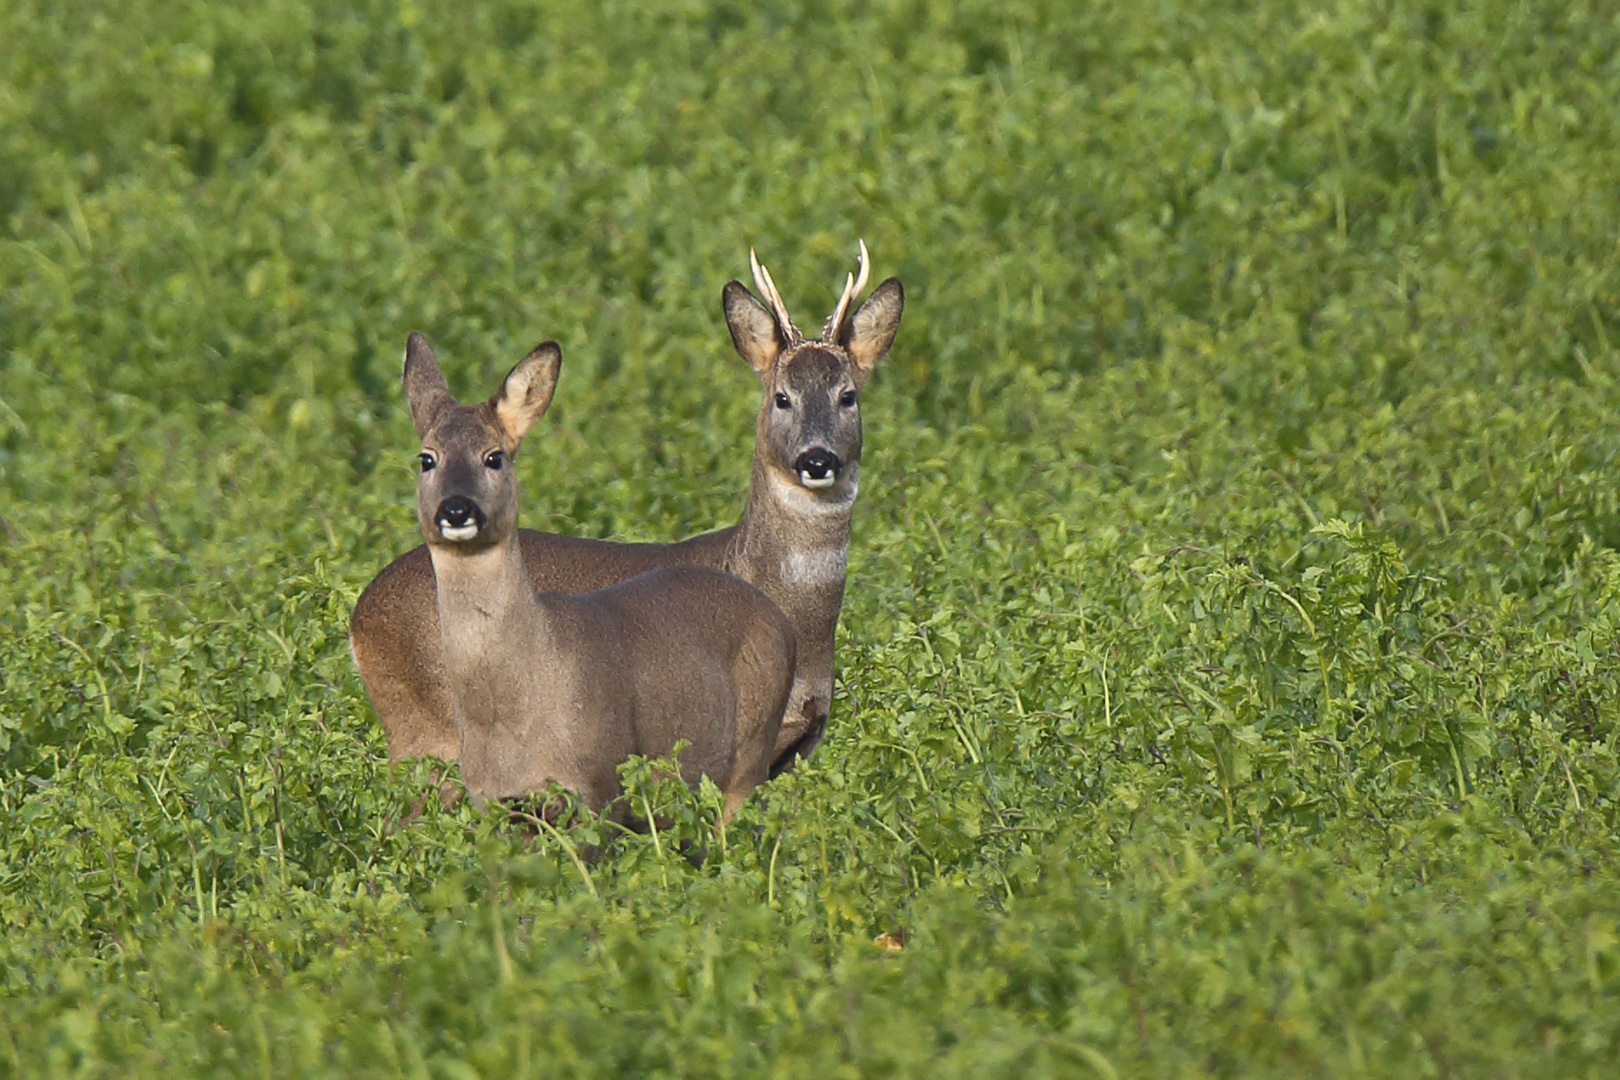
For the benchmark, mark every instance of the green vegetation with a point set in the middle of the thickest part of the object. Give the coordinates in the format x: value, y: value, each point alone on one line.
x: 1229, y: 669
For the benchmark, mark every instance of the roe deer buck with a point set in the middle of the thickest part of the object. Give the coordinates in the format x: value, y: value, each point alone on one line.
x: 791, y: 543
x: 552, y: 687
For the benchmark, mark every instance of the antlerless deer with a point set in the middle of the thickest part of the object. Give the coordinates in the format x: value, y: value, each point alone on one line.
x: 792, y: 541
x: 549, y: 687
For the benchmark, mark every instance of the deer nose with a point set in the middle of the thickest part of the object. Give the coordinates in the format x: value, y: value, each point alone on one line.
x: 818, y: 467
x: 459, y: 518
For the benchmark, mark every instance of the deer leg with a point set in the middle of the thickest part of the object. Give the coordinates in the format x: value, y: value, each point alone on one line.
x: 734, y: 800
x: 800, y: 748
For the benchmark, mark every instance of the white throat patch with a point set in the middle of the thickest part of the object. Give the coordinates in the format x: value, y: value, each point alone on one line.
x: 815, y: 566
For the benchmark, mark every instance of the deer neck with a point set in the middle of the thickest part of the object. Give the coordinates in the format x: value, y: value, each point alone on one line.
x: 491, y: 620
x: 791, y: 541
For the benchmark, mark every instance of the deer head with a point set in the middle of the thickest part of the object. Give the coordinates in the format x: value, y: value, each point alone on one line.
x: 809, y: 428
x: 466, y: 495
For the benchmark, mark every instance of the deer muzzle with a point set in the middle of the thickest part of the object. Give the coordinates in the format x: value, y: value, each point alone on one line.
x: 459, y: 518
x: 818, y: 468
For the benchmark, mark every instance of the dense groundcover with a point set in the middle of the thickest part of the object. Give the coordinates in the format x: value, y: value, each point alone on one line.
x: 1229, y: 671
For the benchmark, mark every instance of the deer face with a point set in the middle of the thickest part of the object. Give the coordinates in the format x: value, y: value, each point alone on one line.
x: 809, y: 430
x: 810, y: 420
x: 466, y: 492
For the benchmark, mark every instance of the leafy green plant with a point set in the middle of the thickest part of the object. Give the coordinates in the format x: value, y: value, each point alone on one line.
x: 1228, y: 670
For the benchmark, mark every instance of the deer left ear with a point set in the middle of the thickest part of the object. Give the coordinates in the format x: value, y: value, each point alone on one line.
x: 526, y: 392
x: 868, y: 335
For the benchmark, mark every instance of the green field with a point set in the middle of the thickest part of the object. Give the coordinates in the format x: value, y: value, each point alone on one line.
x: 1230, y: 669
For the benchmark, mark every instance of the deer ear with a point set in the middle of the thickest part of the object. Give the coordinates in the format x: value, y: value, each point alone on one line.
x: 425, y: 389
x: 753, y: 328
x: 526, y: 392
x: 868, y: 335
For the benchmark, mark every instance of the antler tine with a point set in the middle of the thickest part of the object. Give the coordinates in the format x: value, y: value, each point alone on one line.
x: 852, y: 288
x: 767, y: 288
x: 759, y: 276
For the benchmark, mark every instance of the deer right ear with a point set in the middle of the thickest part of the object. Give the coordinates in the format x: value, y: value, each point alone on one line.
x: 753, y: 328
x: 526, y: 393
x: 425, y: 389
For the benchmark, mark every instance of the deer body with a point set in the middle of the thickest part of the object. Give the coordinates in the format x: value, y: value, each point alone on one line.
x: 792, y: 542
x: 405, y: 675
x: 554, y: 687
x: 551, y: 687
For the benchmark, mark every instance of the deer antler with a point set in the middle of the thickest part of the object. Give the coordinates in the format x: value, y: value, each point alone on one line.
x: 767, y: 290
x: 852, y: 288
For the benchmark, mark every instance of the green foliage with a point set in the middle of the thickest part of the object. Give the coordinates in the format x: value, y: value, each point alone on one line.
x: 1229, y: 676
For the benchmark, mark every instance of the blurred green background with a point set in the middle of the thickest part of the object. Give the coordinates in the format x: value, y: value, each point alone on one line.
x: 1229, y: 664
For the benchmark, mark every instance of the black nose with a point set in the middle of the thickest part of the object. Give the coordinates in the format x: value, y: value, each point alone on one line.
x: 458, y: 511
x: 818, y: 464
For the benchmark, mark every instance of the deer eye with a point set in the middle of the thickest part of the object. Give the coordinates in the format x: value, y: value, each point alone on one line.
x: 782, y: 402
x: 494, y: 459
x: 427, y: 460
x: 847, y: 399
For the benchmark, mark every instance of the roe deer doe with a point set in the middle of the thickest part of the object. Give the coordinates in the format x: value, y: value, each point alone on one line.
x: 792, y: 542
x: 546, y: 686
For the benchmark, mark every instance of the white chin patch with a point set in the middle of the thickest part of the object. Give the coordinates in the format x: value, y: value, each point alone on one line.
x: 817, y: 483
x: 458, y: 532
